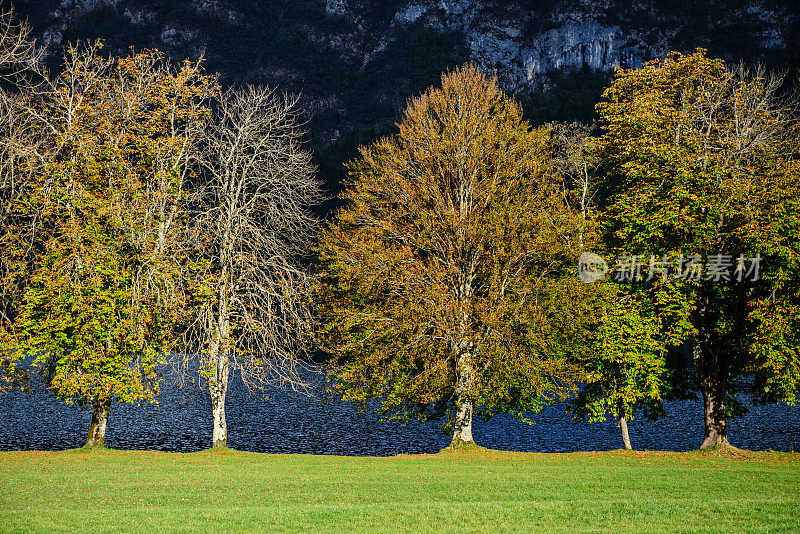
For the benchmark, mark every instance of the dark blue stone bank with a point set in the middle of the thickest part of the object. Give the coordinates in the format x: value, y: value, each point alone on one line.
x: 282, y: 423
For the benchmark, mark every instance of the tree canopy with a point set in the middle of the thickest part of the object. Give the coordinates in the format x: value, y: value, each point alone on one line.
x: 449, y: 281
x: 106, y: 182
x: 703, y: 176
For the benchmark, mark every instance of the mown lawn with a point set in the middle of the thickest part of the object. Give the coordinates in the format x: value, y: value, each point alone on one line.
x: 485, y: 491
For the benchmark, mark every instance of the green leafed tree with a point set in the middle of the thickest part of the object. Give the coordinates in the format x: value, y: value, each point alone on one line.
x: 448, y: 279
x: 702, y: 161
x: 624, y: 364
x: 106, y: 187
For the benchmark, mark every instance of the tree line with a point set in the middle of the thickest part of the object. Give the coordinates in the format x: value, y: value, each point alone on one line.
x: 150, y: 220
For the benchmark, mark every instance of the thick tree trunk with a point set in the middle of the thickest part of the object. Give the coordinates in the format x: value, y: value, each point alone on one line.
x: 623, y: 427
x: 716, y: 424
x: 462, y: 427
x: 711, y: 369
x: 97, y: 428
x: 218, y: 389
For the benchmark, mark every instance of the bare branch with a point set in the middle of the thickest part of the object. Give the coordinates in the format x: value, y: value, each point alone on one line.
x: 250, y: 226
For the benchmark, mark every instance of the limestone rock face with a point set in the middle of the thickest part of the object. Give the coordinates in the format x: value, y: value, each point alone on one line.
x: 335, y: 7
x: 588, y: 43
x: 65, y: 13
x: 523, y: 44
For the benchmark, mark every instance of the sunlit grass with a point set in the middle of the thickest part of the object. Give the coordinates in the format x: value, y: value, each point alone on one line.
x: 483, y: 491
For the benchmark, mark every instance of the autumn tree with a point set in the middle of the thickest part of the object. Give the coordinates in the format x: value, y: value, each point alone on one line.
x: 703, y: 176
x: 20, y: 69
x: 448, y: 279
x: 250, y: 229
x: 109, y: 169
x: 623, y: 362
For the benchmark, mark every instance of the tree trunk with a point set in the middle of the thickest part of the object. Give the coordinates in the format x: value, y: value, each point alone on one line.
x: 218, y: 389
x: 716, y: 424
x: 97, y: 428
x: 462, y: 427
x: 626, y: 440
x: 622, y: 416
x: 218, y: 379
x: 711, y: 369
x: 623, y: 426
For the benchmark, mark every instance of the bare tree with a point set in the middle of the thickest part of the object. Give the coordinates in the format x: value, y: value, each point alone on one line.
x: 742, y: 113
x: 574, y: 160
x: 251, y: 224
x: 20, y: 59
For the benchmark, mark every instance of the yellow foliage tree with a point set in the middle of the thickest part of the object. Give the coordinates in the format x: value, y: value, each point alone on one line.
x: 449, y: 278
x: 108, y: 170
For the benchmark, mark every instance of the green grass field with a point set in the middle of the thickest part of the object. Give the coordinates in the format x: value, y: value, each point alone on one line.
x: 483, y: 491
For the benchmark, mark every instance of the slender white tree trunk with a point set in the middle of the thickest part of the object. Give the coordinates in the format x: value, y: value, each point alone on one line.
x: 218, y: 381
x: 623, y: 426
x: 626, y: 440
x: 218, y: 389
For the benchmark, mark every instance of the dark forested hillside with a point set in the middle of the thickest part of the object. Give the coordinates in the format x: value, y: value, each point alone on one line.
x: 356, y: 62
